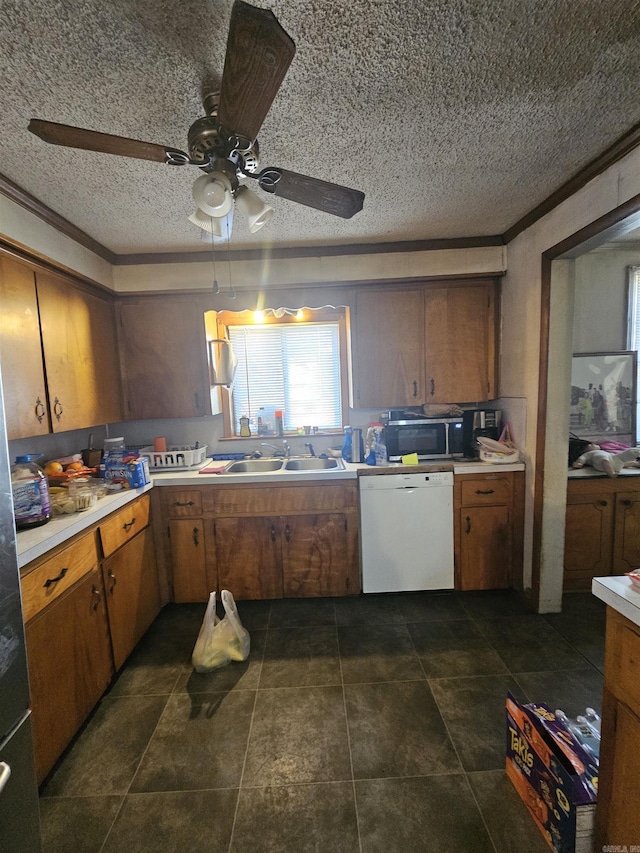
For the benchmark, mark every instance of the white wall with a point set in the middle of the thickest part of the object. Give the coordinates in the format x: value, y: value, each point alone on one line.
x: 600, y: 309
x: 520, y: 351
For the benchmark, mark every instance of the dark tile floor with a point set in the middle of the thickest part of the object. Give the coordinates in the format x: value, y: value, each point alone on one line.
x: 366, y: 725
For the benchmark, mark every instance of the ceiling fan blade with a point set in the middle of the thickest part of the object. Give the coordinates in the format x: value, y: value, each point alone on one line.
x: 330, y: 198
x: 91, y: 140
x: 259, y: 52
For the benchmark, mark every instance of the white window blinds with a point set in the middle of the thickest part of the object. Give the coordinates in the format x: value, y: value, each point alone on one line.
x: 633, y: 335
x: 292, y: 367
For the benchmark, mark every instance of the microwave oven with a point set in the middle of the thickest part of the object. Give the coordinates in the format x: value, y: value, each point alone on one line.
x: 430, y: 438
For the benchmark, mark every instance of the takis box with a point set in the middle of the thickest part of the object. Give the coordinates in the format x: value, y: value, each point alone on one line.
x: 555, y: 777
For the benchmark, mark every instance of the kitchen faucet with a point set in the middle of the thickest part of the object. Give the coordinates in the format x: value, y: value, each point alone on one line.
x: 277, y: 451
x: 310, y: 446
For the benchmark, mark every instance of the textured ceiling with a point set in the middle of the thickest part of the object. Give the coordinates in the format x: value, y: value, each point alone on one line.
x: 455, y: 117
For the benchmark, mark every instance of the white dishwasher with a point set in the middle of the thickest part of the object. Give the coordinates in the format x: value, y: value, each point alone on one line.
x: 406, y: 531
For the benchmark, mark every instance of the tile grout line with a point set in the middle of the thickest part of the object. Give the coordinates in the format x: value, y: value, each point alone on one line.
x: 346, y: 723
x: 246, y: 751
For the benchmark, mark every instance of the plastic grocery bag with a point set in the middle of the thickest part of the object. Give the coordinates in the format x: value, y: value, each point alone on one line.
x: 220, y: 640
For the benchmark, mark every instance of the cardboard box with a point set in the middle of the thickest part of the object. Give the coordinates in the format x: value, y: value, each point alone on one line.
x: 556, y: 779
x: 121, y: 466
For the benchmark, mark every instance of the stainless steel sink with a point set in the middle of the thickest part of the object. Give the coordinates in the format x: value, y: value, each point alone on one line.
x: 254, y: 466
x: 313, y: 463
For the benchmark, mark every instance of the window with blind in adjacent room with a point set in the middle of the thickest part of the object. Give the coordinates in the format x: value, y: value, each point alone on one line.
x: 633, y: 334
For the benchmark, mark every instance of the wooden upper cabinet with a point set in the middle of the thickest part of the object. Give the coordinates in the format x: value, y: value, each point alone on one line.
x: 460, y: 343
x: 433, y: 344
x: 389, y: 340
x: 79, y: 345
x: 164, y: 358
x: 23, y: 382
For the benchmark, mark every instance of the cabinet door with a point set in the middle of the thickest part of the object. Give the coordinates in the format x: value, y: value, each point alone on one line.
x: 588, y: 539
x: 80, y: 354
x: 25, y: 400
x: 69, y: 667
x: 248, y: 556
x: 626, y: 539
x: 485, y: 547
x: 317, y: 559
x: 188, y: 560
x: 617, y: 817
x: 389, y: 353
x: 133, y: 596
x: 164, y: 358
x: 460, y: 343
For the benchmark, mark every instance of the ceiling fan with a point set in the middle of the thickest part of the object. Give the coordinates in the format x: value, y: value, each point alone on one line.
x: 223, y: 143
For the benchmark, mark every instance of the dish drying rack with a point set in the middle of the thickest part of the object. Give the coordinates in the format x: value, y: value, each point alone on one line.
x: 175, y: 458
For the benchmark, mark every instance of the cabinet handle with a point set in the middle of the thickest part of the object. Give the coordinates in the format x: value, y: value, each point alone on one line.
x: 287, y: 533
x: 273, y: 533
x: 5, y: 772
x: 626, y: 502
x: 415, y: 388
x: 57, y: 408
x: 195, y: 537
x: 183, y: 503
x: 468, y: 527
x: 113, y: 579
x: 40, y: 410
x: 129, y: 524
x: 603, y: 503
x: 50, y: 581
x: 96, y: 592
x: 196, y: 400
x: 433, y: 387
x: 485, y: 492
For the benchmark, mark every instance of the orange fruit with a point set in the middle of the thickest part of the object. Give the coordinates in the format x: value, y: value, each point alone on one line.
x: 53, y: 468
x: 75, y: 466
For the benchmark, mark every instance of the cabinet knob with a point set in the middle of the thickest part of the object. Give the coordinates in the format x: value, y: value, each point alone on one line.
x: 626, y: 502
x: 57, y: 408
x: 603, y: 503
x: 273, y: 533
x: 40, y: 410
x: 287, y: 533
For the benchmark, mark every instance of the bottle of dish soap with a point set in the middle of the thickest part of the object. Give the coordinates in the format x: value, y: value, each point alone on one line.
x: 245, y: 429
x: 31, y: 504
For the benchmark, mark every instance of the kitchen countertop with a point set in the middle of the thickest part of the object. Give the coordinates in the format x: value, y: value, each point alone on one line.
x: 620, y: 593
x: 33, y: 543
x: 588, y: 473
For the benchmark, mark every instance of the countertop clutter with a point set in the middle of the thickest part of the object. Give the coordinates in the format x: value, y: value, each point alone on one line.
x: 33, y: 543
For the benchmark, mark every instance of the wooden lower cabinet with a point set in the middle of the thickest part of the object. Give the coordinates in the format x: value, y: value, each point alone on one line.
x: 617, y: 817
x: 488, y: 530
x: 602, y: 529
x: 261, y: 542
x: 70, y: 666
x: 84, y: 612
x: 133, y: 597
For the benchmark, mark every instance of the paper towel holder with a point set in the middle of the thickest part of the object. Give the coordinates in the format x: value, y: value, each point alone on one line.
x: 222, y: 362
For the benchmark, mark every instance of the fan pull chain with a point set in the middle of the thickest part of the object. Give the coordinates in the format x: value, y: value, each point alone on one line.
x: 216, y: 286
x: 232, y: 293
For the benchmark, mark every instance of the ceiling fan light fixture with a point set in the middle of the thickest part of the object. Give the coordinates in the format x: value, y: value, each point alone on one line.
x: 212, y: 193
x: 211, y: 224
x: 253, y: 208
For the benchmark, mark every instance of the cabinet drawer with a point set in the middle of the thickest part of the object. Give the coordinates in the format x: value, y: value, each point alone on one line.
x: 124, y: 524
x: 486, y: 491
x: 181, y: 504
x: 50, y: 579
